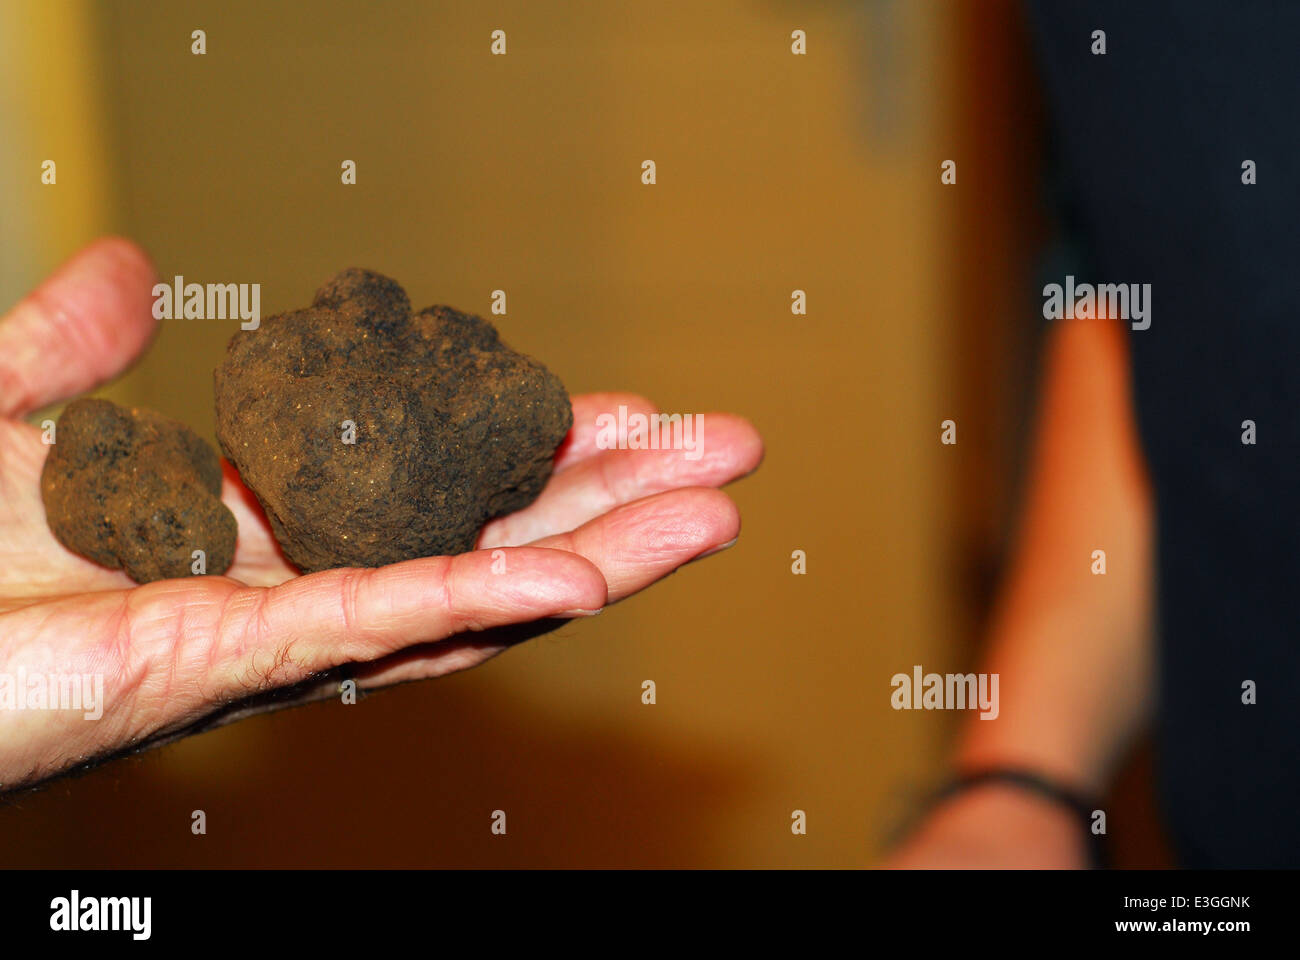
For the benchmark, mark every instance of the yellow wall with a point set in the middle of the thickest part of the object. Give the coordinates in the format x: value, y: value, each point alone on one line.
x: 522, y: 172
x: 51, y: 108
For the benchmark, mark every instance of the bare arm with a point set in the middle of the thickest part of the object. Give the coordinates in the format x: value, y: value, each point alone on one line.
x: 1072, y: 648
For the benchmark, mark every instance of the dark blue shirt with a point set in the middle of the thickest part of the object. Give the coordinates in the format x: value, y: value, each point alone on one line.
x: 1151, y: 138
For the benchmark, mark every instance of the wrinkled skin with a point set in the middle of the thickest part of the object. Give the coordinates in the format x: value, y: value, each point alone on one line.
x: 181, y: 655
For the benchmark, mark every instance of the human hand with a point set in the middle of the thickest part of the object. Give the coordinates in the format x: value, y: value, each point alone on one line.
x: 178, y: 656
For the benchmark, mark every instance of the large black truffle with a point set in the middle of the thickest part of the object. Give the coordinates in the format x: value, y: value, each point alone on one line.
x: 133, y: 489
x: 373, y: 435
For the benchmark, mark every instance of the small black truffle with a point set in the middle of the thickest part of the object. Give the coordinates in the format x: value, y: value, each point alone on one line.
x: 130, y: 488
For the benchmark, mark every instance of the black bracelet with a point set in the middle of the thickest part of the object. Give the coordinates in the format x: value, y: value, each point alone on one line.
x: 1082, y: 807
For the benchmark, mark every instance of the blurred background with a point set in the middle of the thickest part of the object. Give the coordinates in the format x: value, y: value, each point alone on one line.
x: 522, y: 172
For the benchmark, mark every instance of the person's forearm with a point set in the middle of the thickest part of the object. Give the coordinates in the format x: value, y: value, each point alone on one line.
x: 1073, y: 646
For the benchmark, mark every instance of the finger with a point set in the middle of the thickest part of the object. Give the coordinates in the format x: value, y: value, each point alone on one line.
x: 81, y: 327
x: 633, y: 546
x: 269, y: 638
x: 730, y: 448
x: 638, y: 543
x: 587, y: 407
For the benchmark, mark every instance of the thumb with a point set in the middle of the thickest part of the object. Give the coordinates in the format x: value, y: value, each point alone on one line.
x: 83, y: 326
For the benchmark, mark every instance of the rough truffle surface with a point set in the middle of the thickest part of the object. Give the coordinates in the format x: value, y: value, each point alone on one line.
x: 130, y: 488
x: 450, y: 427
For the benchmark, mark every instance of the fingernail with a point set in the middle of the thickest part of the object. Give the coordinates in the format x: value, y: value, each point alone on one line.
x: 571, y: 614
x: 718, y: 549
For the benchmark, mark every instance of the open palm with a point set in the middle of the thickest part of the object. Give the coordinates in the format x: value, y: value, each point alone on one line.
x: 177, y: 656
